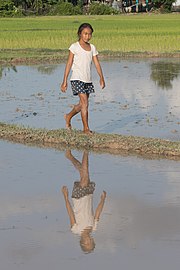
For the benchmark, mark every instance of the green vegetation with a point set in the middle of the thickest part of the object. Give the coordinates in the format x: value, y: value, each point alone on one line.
x: 101, y: 9
x: 163, y: 5
x: 49, y: 36
x: 113, y: 143
x: 14, y: 8
x: 20, y: 8
x: 65, y: 8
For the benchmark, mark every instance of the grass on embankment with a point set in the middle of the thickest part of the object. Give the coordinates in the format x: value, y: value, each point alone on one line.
x: 112, y: 143
x: 48, y: 37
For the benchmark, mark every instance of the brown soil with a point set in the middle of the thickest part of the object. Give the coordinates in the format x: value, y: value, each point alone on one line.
x: 58, y: 56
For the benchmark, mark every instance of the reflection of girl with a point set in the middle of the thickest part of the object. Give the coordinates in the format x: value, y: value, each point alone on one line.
x: 82, y: 219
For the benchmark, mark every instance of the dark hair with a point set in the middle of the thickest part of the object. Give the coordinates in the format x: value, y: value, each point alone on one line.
x: 82, y: 27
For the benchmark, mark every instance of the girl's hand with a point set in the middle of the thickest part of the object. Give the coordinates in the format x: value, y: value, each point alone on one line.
x: 103, y: 196
x: 102, y: 83
x: 65, y: 192
x: 63, y: 87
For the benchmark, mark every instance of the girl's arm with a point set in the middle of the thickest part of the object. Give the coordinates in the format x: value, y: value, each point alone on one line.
x: 66, y: 72
x: 99, y: 71
x: 100, y: 206
x: 68, y: 206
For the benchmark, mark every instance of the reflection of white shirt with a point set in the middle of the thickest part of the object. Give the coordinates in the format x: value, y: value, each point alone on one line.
x: 81, y: 68
x: 83, y: 211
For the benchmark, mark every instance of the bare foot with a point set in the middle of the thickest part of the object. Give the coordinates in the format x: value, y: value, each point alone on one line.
x: 68, y: 153
x: 68, y: 123
x: 88, y: 132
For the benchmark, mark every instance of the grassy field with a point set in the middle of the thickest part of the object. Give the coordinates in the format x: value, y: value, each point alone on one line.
x: 50, y: 36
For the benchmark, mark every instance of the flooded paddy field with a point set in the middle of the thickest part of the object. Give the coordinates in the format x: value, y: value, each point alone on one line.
x: 141, y: 98
x: 139, y: 226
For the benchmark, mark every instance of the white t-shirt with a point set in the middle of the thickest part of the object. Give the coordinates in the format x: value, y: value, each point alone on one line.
x: 83, y: 212
x: 81, y: 68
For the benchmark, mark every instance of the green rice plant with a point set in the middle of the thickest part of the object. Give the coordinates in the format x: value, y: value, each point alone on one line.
x: 125, y: 33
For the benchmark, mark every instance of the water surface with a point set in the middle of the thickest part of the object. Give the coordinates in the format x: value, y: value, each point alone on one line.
x: 139, y: 226
x: 141, y: 97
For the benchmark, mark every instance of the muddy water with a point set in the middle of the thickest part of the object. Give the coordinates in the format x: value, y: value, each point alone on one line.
x: 141, y: 97
x: 139, y: 226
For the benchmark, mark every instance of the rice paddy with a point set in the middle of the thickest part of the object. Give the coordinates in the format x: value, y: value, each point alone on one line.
x: 148, y: 33
x: 49, y: 39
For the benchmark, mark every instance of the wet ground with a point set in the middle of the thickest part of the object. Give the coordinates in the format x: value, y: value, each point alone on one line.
x: 139, y: 226
x: 141, y: 98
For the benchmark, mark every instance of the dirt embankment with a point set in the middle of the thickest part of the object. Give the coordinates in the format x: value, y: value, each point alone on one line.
x: 30, y: 56
x: 112, y: 143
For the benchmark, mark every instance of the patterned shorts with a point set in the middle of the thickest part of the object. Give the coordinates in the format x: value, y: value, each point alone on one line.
x: 79, y: 87
x: 79, y: 192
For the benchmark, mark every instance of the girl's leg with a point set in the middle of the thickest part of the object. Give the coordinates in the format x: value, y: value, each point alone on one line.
x: 76, y: 109
x: 84, y: 173
x: 84, y: 102
x: 74, y: 161
x: 83, y: 167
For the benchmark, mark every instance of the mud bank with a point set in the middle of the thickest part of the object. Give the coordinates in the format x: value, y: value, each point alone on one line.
x: 112, y: 143
x: 37, y: 56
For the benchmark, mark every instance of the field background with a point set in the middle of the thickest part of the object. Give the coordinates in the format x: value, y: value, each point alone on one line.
x: 51, y: 36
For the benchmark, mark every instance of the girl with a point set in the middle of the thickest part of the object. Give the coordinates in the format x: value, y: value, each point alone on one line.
x: 82, y: 218
x: 81, y: 55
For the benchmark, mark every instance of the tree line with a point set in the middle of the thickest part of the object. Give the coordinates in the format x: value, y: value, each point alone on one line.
x: 64, y: 7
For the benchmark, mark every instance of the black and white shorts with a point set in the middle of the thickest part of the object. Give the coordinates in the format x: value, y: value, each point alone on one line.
x: 79, y: 192
x: 79, y: 87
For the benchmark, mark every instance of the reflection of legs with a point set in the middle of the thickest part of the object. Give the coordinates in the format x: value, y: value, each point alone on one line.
x: 84, y: 111
x: 81, y: 167
x: 84, y: 181
x: 74, y: 161
x: 76, y: 109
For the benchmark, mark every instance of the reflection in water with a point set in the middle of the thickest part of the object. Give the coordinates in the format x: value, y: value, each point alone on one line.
x: 82, y: 219
x: 164, y: 73
x: 137, y: 221
x: 140, y: 222
x: 4, y: 70
x: 132, y: 106
x: 46, y: 69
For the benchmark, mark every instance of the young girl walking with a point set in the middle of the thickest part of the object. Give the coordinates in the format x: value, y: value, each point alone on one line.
x: 81, y: 55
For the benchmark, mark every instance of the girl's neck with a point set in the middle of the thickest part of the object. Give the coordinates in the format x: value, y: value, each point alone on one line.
x: 85, y: 45
x: 86, y: 232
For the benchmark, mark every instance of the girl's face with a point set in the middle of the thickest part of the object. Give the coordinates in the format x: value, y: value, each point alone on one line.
x: 86, y: 35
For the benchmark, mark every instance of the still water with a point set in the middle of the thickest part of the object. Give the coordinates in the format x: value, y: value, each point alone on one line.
x: 139, y: 218
x: 142, y: 97
x: 139, y: 225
